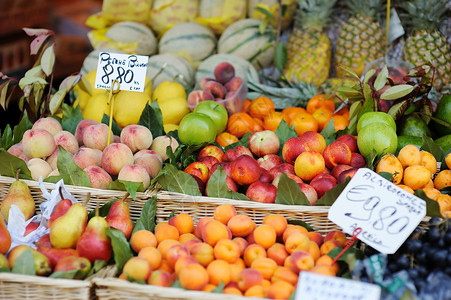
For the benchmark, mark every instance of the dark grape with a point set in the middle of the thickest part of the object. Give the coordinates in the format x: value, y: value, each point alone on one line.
x: 433, y: 234
x: 414, y: 246
x: 434, y: 220
x: 403, y: 263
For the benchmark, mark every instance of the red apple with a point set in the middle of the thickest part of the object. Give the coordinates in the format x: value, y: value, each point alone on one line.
x: 262, y: 192
x: 264, y: 142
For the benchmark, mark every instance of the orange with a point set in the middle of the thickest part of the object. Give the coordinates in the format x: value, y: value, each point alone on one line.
x: 319, y: 101
x: 443, y: 179
x: 343, y: 112
x: 272, y: 120
x: 323, y: 116
x: 261, y: 107
x: 416, y: 176
x: 391, y: 164
x: 304, y: 122
x: 340, y: 122
x: 409, y: 155
x: 240, y: 123
x: 291, y: 112
x: 224, y: 139
x: 246, y: 105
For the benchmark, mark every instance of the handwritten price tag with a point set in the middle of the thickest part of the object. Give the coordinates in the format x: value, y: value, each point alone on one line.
x: 314, y: 286
x: 129, y: 70
x: 386, y: 213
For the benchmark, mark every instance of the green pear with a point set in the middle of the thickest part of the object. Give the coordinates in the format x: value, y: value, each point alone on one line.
x: 5, y: 237
x: 41, y: 262
x: 67, y: 229
x: 3, y: 262
x: 20, y: 195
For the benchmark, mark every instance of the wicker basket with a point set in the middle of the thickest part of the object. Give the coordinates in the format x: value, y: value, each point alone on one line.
x: 81, y: 193
x: 17, y: 286
x: 198, y: 207
x: 113, y: 288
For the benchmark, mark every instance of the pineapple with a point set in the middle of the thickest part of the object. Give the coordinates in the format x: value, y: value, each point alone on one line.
x: 361, y: 38
x: 424, y: 18
x: 309, y: 49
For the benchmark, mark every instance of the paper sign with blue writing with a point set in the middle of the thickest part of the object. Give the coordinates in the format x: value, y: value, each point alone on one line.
x: 129, y: 70
x: 386, y: 213
x: 314, y: 286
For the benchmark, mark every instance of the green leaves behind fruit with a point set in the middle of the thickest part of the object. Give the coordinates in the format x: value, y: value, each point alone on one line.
x: 174, y: 180
x: 103, y: 210
x: 244, y: 141
x: 147, y: 217
x: 301, y: 223
x: 67, y: 274
x: 14, y: 136
x: 430, y: 146
x: 184, y: 155
x: 152, y: 118
x: 331, y: 195
x: 114, y: 127
x: 69, y: 171
x: 71, y: 117
x: 289, y: 192
x: 284, y: 132
x: 9, y: 165
x: 129, y: 186
x: 121, y: 248
x: 218, y: 188
x: 25, y: 264
x: 432, y: 207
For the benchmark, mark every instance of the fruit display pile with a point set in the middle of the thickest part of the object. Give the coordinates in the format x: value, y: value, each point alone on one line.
x: 244, y: 108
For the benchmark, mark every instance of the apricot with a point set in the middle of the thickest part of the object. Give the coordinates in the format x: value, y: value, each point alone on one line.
x: 183, y: 222
x: 193, y: 277
x: 182, y: 262
x: 223, y: 213
x: 200, y: 225
x: 284, y: 274
x: 141, y: 239
x: 326, y: 247
x: 241, y: 225
x: 152, y: 255
x: 253, y: 252
x: 297, y: 241
x: 336, y: 235
x: 293, y: 229
x: 214, y: 231
x: 278, y: 253
x: 248, y: 278
x: 256, y: 291
x: 265, y: 235
x: 218, y: 271
x: 235, y: 269
x: 280, y: 290
x: 164, y: 231
x: 160, y: 278
x: 226, y: 250
x: 300, y: 261
x: 164, y: 246
x: 203, y: 253
x: 185, y: 237
x: 242, y: 244
x: 174, y: 253
x: 265, y: 266
x: 137, y: 268
x: 278, y: 222
x: 327, y: 260
x: 323, y: 269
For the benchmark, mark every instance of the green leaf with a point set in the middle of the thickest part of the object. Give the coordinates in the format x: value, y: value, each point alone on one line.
x: 301, y: 223
x: 432, y: 207
x: 430, y: 146
x: 174, y: 134
x: 189, y: 154
x: 218, y: 188
x: 368, y: 75
x: 176, y: 284
x: 331, y: 195
x: 131, y: 279
x: 446, y: 190
x: 129, y: 186
x: 244, y: 141
x: 121, y: 248
x: 349, y: 71
x: 387, y: 175
x: 24, y: 264
x: 97, y: 266
x: 69, y: 82
x: 266, y: 12
x: 381, y: 78
x: 9, y: 165
x: 114, y: 127
x: 31, y: 80
x: 71, y: 117
x: 69, y: 171
x: 67, y: 274
x: 56, y: 100
x: 152, y: 118
x: 219, y: 289
x: 280, y: 57
x: 174, y: 180
x: 7, y: 137
x: 284, y: 132
x: 397, y: 110
x: 103, y: 210
x: 148, y: 215
x: 20, y: 128
x: 289, y: 192
x: 5, y: 270
x: 48, y: 60
x: 397, y: 91
x: 328, y: 132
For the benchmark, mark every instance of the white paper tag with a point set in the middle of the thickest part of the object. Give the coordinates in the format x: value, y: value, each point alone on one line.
x: 386, y: 213
x: 129, y: 70
x: 312, y: 286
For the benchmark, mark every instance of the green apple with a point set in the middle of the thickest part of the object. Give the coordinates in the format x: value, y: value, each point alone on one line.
x: 216, y: 112
x: 375, y: 116
x: 378, y: 136
x: 196, y: 128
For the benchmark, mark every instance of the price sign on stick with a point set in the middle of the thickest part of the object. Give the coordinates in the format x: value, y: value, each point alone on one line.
x: 386, y: 213
x: 314, y: 286
x: 129, y: 70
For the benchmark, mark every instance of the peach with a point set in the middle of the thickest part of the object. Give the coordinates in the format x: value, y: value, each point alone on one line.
x: 358, y: 161
x: 309, y: 192
x: 147, y: 151
x: 253, y: 252
x: 182, y: 262
x: 160, y: 144
x: 79, y: 131
x: 214, y: 231
x: 278, y: 253
x: 38, y: 143
x: 50, y: 124
x: 183, y: 222
x: 282, y: 273
x: 98, y: 177
x: 292, y: 148
x: 297, y: 241
x: 136, y: 137
x: 209, y: 161
x: 198, y: 169
x: 336, y: 235
x: 52, y: 160
x: 249, y: 277
x: 174, y: 253
x: 16, y: 149
x: 316, y: 237
x: 322, y: 183
x: 345, y: 174
x: 226, y: 250
x: 151, y: 162
x: 96, y: 136
x: 66, y: 140
x: 193, y: 277
x: 86, y: 157
x: 337, y: 153
x: 160, y: 278
x: 241, y: 225
x: 245, y: 170
x: 211, y: 150
x: 233, y: 84
x: 309, y: 164
x: 196, y: 96
x: 338, y: 169
x: 299, y: 261
x: 137, y: 268
x: 262, y: 192
x: 349, y: 140
x: 282, y: 168
x: 115, y: 157
x: 203, y: 253
x: 232, y: 154
x: 204, y: 80
x: 215, y: 88
x: 224, y: 72
x: 218, y: 271
x: 269, y: 161
x: 223, y: 213
x: 242, y: 244
x: 280, y: 290
x: 264, y: 142
x: 39, y: 167
x: 315, y: 141
x: 134, y: 173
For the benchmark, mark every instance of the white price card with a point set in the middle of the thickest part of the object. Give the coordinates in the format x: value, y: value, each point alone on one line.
x: 129, y: 70
x: 386, y: 213
x: 312, y: 286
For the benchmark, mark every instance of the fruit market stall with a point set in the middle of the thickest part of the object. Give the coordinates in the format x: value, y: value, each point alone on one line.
x: 256, y: 148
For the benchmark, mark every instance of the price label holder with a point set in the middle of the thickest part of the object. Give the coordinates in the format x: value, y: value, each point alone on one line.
x: 312, y: 286
x: 128, y: 70
x: 385, y: 213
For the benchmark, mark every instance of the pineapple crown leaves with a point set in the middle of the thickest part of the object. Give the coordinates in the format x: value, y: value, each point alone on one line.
x: 424, y: 14
x: 367, y: 8
x: 314, y: 14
